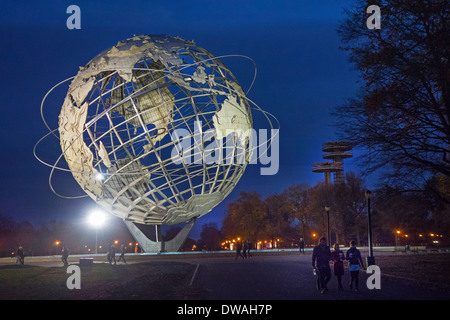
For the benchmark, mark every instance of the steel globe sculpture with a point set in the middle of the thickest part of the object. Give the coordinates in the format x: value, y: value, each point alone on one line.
x: 155, y: 129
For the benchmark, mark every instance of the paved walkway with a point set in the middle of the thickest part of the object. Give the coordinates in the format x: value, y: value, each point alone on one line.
x: 290, y: 278
x: 263, y: 277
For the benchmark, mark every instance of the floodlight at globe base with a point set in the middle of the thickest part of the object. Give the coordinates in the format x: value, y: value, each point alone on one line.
x: 149, y: 246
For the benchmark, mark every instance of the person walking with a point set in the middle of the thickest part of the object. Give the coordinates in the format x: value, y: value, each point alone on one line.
x: 122, y: 254
x: 64, y: 255
x: 355, y: 263
x: 20, y: 255
x: 112, y: 254
x: 249, y: 247
x: 338, y: 258
x: 321, y: 263
x: 244, y: 249
x: 301, y: 245
x: 238, y: 250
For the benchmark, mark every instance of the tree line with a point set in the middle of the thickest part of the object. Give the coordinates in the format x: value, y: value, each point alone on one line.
x: 48, y: 238
x: 299, y: 212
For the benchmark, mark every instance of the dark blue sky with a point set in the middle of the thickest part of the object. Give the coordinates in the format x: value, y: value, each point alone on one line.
x: 302, y: 75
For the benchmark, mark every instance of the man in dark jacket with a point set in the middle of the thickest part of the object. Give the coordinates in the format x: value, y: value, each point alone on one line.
x: 65, y: 255
x: 321, y: 262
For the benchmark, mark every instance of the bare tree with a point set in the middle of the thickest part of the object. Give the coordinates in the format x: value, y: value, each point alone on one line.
x: 401, y: 116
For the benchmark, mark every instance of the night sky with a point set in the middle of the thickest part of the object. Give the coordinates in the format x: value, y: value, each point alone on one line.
x: 302, y: 75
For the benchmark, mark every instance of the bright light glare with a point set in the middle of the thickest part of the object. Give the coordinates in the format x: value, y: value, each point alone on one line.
x: 97, y: 218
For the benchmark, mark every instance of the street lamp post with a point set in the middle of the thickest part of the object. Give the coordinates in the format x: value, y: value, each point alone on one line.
x: 397, y: 234
x: 97, y: 219
x: 327, y: 209
x: 370, y: 258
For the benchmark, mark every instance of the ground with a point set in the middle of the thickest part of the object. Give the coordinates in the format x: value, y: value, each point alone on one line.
x: 166, y: 279
x: 421, y: 269
x: 101, y: 281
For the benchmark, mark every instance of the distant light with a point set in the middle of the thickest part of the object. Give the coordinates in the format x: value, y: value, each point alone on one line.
x: 97, y: 218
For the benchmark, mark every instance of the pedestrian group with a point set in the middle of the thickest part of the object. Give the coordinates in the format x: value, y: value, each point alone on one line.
x: 110, y: 255
x: 243, y: 250
x: 321, y: 257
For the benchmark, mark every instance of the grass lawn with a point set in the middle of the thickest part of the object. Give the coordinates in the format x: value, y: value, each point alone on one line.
x: 148, y: 280
x: 424, y: 269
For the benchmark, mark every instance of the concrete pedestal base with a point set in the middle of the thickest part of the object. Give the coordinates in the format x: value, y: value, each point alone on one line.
x: 148, y: 245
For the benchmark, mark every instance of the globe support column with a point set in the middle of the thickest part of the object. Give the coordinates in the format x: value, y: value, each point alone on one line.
x: 148, y: 245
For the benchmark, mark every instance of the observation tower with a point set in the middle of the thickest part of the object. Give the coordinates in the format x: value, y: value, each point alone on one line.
x: 336, y: 151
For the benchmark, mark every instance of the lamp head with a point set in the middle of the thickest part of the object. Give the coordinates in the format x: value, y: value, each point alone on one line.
x: 97, y: 218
